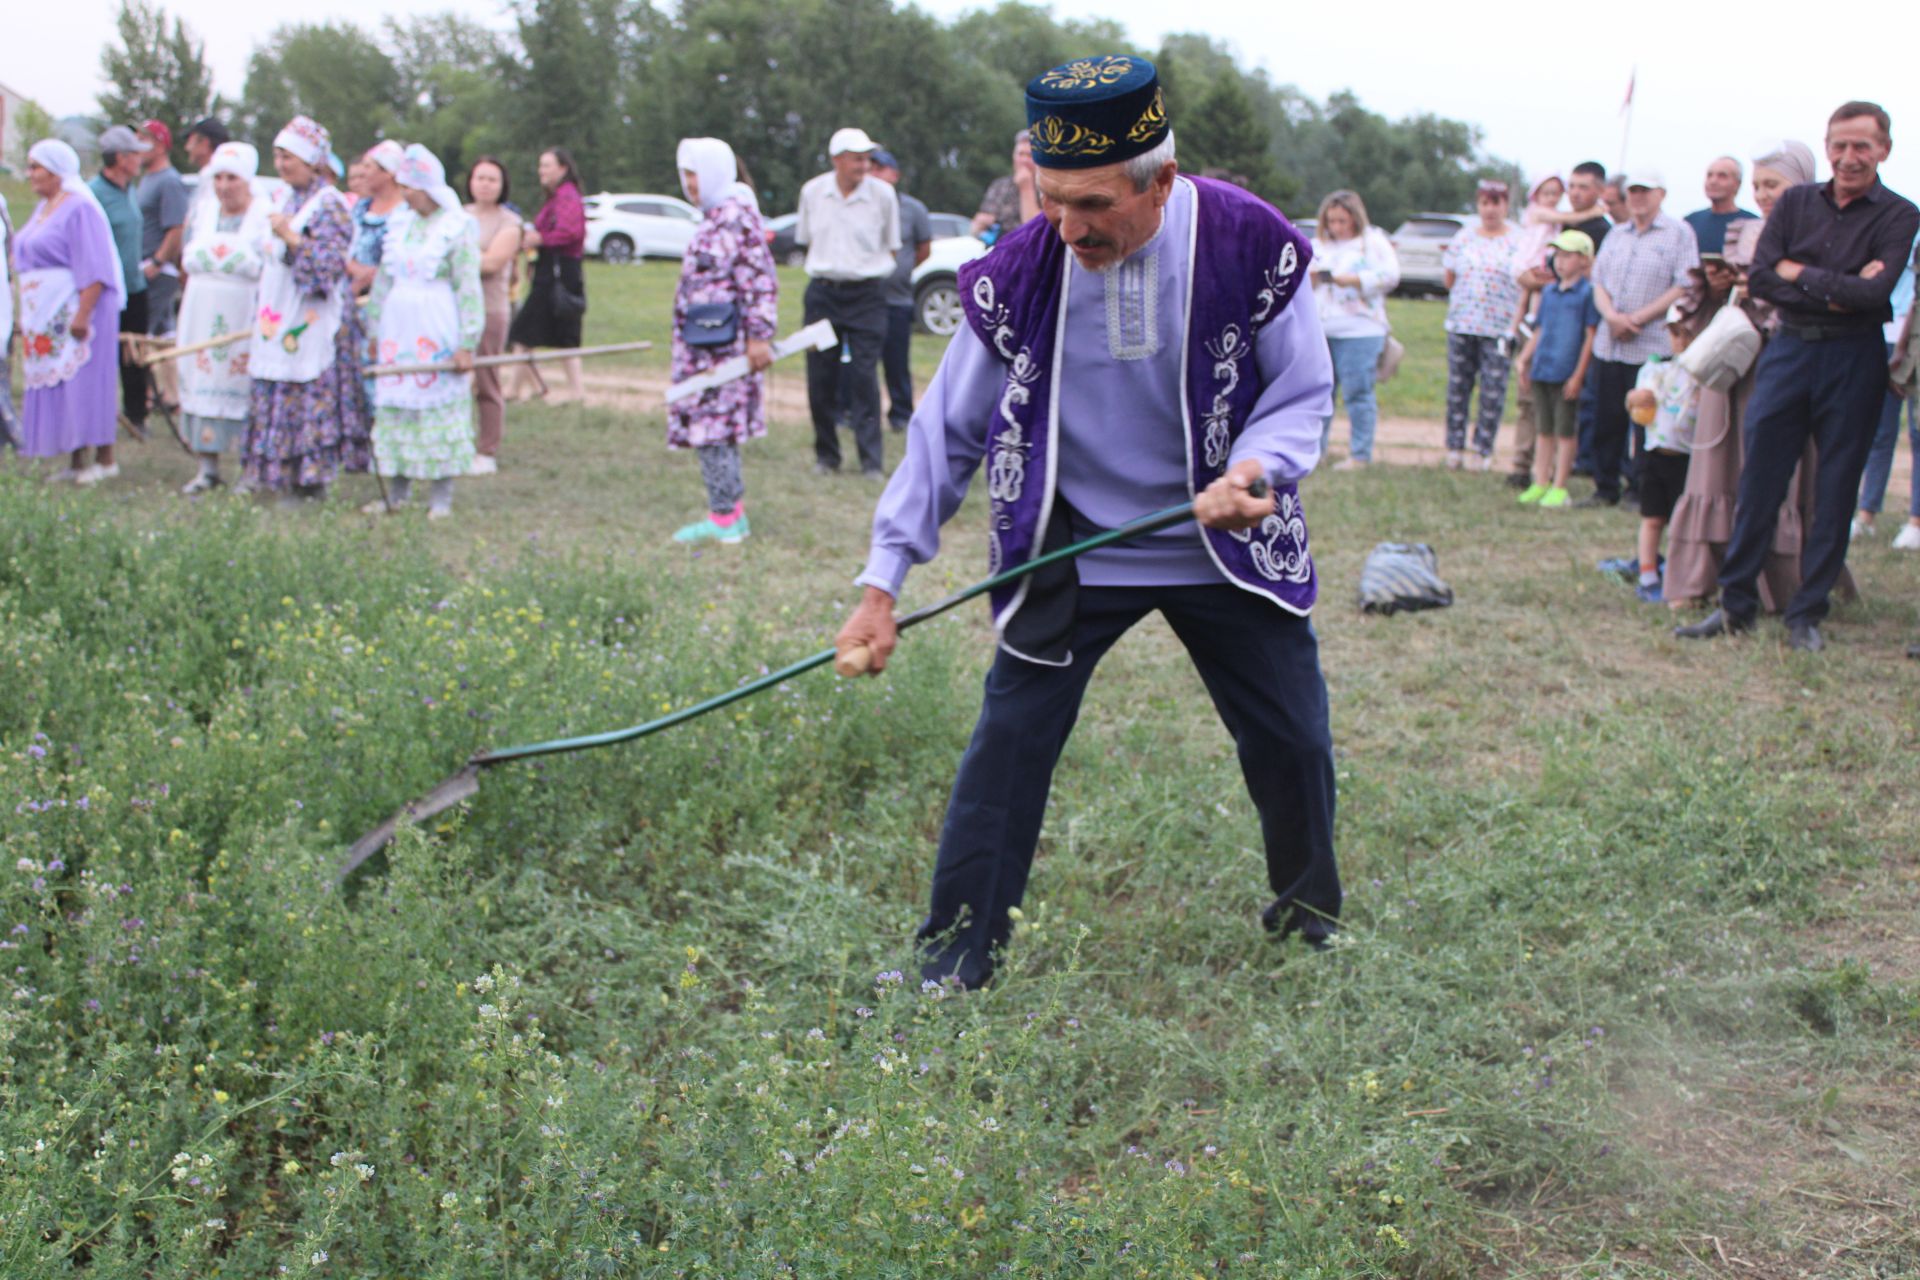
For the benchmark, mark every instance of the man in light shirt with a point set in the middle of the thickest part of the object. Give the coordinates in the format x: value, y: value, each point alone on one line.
x: 850, y: 225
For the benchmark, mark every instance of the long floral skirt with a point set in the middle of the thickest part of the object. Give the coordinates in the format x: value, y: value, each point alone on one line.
x: 303, y: 433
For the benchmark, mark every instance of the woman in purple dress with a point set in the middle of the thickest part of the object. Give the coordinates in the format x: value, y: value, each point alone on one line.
x: 310, y: 412
x: 70, y: 298
x: 727, y: 304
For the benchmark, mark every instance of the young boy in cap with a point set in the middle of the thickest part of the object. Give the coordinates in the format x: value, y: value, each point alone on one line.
x: 1553, y: 366
x: 1665, y: 400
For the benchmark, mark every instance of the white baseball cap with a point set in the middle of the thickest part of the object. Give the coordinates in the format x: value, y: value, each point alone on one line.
x: 1649, y: 178
x: 850, y: 140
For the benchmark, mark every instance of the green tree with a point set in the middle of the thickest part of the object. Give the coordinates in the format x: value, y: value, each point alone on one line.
x: 453, y: 92
x: 1222, y: 132
x: 334, y: 72
x: 570, y: 90
x: 31, y: 124
x: 155, y: 71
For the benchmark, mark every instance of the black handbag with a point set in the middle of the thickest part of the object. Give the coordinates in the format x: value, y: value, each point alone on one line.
x: 711, y: 324
x: 565, y: 303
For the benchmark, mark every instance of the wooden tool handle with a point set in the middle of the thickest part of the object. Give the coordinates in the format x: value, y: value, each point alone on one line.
x: 853, y: 662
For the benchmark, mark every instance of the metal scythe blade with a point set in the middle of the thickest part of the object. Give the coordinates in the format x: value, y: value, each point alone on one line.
x: 463, y: 785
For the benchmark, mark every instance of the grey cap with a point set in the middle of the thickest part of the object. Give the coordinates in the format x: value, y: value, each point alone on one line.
x: 119, y: 139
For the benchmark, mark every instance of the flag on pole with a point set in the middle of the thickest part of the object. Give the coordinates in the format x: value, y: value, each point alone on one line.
x: 1626, y: 104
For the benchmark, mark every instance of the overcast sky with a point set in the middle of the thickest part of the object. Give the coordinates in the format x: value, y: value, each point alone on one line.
x: 1707, y: 83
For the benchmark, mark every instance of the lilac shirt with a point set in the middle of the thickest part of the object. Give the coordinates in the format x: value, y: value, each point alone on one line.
x: 1123, y: 451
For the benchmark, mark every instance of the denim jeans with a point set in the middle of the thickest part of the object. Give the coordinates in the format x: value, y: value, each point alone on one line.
x: 1886, y: 439
x: 1354, y: 362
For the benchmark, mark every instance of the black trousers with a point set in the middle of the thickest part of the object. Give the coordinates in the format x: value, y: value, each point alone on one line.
x: 896, y: 359
x: 1262, y: 667
x: 1830, y: 392
x: 858, y: 310
x: 1613, y: 430
x: 133, y: 375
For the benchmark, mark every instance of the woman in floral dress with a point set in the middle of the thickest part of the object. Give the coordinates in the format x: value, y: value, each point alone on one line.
x: 426, y: 308
x: 727, y: 281
x: 310, y: 411
x: 226, y: 248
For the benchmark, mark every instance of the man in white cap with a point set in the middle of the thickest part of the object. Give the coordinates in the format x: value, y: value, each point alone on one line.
x: 850, y: 225
x: 1642, y: 269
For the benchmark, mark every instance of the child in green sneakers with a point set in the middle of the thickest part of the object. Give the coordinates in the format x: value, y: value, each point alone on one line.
x: 1553, y: 365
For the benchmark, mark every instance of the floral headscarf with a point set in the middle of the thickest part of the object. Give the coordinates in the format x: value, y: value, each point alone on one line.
x: 421, y: 170
x: 304, y: 138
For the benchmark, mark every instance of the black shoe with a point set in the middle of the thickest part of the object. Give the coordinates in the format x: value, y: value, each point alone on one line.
x: 1519, y: 480
x: 1597, y: 499
x: 872, y: 473
x: 1313, y: 930
x: 1717, y: 623
x: 1804, y: 637
x: 900, y: 427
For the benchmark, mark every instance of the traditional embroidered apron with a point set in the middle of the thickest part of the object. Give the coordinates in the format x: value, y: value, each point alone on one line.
x: 419, y: 319
x: 295, y: 330
x: 223, y: 274
x: 48, y: 298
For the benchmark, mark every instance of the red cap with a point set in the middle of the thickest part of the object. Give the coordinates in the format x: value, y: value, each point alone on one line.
x: 159, y: 133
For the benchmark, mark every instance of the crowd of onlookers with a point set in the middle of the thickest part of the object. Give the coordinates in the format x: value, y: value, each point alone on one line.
x: 1738, y: 374
x: 1703, y: 367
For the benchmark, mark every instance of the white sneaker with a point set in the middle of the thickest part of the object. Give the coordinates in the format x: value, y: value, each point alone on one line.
x: 439, y: 513
x: 95, y: 474
x: 1856, y: 527
x: 1908, y: 539
x: 202, y: 483
x: 1350, y: 464
x: 65, y: 475
x: 1483, y: 462
x: 1455, y: 459
x: 378, y: 507
x: 484, y: 464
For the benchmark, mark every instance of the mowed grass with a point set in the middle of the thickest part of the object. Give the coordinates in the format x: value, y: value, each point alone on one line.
x: 1628, y: 984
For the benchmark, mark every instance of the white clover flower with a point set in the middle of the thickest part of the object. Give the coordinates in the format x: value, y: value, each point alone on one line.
x: 215, y: 1224
x: 25, y: 864
x: 339, y: 1158
x: 365, y: 1171
x: 489, y: 1011
x: 319, y: 1256
x: 449, y: 1200
x: 483, y: 983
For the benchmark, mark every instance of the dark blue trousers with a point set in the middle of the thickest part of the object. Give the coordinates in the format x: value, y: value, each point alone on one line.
x: 1583, y: 454
x: 1828, y: 391
x: 896, y: 361
x: 1261, y: 665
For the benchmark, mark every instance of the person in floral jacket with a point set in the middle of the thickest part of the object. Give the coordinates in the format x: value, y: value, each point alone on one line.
x: 727, y: 303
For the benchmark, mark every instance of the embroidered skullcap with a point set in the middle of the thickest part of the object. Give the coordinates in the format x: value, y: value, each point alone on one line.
x: 1095, y: 111
x: 387, y: 154
x: 305, y: 139
x: 237, y: 158
x: 1792, y: 160
x: 421, y: 170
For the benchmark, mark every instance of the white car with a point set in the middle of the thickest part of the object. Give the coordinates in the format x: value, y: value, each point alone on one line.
x: 1420, y: 242
x: 621, y: 228
x: 936, y: 289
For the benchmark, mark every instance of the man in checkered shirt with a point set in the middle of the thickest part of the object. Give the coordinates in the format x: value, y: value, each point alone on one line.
x: 1641, y: 271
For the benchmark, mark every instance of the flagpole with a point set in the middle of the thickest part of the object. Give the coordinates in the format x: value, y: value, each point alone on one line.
x: 1626, y: 124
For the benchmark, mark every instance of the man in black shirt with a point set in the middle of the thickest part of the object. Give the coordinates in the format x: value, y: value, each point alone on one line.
x: 1828, y: 259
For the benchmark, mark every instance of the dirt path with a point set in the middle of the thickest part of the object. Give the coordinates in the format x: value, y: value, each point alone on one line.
x: 1399, y: 441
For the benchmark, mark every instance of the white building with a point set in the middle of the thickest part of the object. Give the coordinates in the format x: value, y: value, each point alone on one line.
x: 11, y: 144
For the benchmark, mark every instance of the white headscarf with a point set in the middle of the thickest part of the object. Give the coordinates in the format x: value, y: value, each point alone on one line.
x: 63, y: 162
x: 711, y: 162
x: 421, y: 170
x: 305, y: 138
x: 240, y: 159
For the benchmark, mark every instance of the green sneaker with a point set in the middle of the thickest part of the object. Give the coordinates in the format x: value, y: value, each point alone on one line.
x: 1532, y: 494
x: 1556, y: 498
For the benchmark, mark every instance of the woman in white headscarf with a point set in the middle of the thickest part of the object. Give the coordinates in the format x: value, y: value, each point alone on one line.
x: 228, y: 241
x: 1702, y: 522
x: 426, y: 308
x: 309, y: 414
x: 727, y: 305
x: 71, y: 293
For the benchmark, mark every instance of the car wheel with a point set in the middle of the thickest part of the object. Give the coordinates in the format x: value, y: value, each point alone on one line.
x: 616, y: 248
x: 936, y: 306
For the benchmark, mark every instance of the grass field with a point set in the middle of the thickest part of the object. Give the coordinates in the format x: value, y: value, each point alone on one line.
x: 1630, y: 985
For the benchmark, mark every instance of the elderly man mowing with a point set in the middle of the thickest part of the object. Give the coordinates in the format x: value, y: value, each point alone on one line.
x: 1140, y: 346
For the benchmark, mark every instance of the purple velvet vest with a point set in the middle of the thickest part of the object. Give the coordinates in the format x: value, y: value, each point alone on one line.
x: 1244, y: 264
